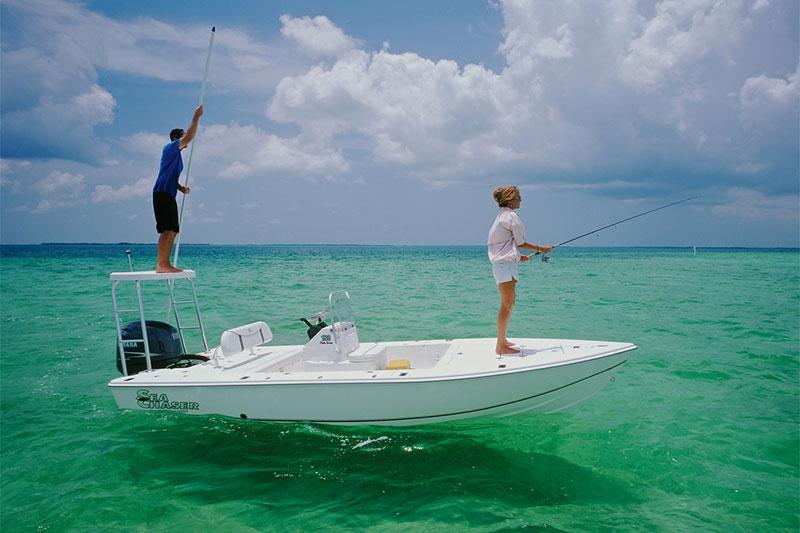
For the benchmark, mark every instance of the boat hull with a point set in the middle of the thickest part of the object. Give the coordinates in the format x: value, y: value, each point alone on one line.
x: 397, y: 403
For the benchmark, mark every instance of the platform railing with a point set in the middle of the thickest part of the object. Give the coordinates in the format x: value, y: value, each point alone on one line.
x: 137, y: 278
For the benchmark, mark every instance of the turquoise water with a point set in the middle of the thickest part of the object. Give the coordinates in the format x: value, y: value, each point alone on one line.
x: 700, y: 429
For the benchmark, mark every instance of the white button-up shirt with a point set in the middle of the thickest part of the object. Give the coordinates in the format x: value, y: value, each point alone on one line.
x: 507, y: 232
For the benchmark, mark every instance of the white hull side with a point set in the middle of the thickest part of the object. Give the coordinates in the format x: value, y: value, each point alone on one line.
x: 410, y: 402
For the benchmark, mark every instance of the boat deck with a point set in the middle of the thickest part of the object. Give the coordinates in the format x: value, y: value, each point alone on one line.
x: 429, y: 360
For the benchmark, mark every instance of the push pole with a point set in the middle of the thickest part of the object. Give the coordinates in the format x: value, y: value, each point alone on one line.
x: 191, y: 150
x: 189, y: 163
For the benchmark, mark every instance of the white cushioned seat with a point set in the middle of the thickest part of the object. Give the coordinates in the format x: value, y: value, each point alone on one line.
x: 245, y: 337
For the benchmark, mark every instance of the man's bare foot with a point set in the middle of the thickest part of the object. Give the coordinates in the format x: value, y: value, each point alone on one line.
x: 169, y: 269
x: 506, y: 350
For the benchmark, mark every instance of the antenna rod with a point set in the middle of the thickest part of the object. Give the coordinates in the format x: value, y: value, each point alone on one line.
x: 621, y: 221
x: 194, y: 141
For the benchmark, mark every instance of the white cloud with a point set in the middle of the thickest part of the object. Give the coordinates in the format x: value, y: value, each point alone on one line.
x: 58, y: 189
x: 762, y: 97
x: 556, y: 47
x: 51, y: 95
x: 527, y: 39
x: 317, y: 36
x: 750, y: 204
x: 680, y: 35
x: 411, y: 109
x: 148, y: 47
x: 61, y: 188
x: 147, y: 143
x: 103, y: 194
x: 9, y: 168
x: 96, y: 106
x: 590, y: 93
x: 589, y: 89
x: 51, y: 100
x: 245, y: 151
x: 387, y: 149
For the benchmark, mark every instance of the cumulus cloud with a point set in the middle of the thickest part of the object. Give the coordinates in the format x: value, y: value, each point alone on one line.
x: 107, y: 194
x: 410, y: 109
x: 316, y: 36
x: 590, y: 91
x: 761, y: 95
x: 61, y: 186
x: 246, y: 151
x: 679, y: 94
x: 146, y: 142
x: 51, y: 95
x: 148, y: 47
x: 679, y: 36
x: 58, y: 189
x: 51, y: 104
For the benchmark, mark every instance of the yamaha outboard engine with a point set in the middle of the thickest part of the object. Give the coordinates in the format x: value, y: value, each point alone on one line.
x: 164, y: 342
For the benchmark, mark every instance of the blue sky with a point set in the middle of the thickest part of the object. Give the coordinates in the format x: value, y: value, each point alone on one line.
x: 379, y: 122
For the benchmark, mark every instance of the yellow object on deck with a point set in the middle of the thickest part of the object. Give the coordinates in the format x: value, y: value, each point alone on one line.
x: 398, y: 364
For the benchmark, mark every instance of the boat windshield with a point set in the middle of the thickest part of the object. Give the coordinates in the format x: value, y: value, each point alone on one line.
x: 345, y: 336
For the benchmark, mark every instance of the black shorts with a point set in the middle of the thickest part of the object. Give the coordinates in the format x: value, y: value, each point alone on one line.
x: 166, y: 209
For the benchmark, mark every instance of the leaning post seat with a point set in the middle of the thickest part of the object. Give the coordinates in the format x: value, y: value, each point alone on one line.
x: 245, y: 337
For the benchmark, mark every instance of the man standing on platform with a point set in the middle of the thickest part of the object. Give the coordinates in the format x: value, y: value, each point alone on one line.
x: 166, y: 189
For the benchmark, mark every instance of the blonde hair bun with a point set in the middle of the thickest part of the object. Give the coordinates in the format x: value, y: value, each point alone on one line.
x: 503, y: 195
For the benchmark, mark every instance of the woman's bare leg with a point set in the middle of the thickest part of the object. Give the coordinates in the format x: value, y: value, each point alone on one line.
x: 507, y: 298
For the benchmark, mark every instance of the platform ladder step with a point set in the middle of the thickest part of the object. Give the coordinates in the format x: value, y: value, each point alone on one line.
x: 139, y: 311
x: 180, y: 327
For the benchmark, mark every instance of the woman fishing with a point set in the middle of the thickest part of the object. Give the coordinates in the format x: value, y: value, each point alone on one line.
x: 506, y: 237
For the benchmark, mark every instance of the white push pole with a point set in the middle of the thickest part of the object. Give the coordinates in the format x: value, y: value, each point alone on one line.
x: 191, y: 150
x: 189, y: 163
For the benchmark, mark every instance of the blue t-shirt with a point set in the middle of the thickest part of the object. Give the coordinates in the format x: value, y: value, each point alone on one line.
x: 171, y: 167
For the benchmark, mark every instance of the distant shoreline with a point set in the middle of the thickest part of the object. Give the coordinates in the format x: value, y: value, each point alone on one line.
x: 684, y: 247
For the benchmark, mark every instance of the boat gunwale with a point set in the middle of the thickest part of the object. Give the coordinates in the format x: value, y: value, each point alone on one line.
x: 115, y: 383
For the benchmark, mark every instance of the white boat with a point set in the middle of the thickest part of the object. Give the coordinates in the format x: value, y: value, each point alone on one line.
x: 336, y: 379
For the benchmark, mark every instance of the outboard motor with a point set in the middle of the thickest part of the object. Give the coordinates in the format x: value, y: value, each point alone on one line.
x: 164, y: 342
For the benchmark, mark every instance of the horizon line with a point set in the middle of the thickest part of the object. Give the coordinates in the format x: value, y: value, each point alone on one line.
x: 126, y: 243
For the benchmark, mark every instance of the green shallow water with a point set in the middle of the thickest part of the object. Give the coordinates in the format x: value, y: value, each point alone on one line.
x: 700, y: 429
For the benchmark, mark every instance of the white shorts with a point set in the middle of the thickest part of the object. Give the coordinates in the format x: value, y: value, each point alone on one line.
x: 505, y: 271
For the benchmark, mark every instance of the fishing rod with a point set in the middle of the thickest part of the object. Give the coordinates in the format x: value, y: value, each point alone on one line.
x: 546, y: 258
x: 194, y: 142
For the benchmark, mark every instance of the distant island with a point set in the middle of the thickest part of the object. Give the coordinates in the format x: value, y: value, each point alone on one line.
x: 112, y: 244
